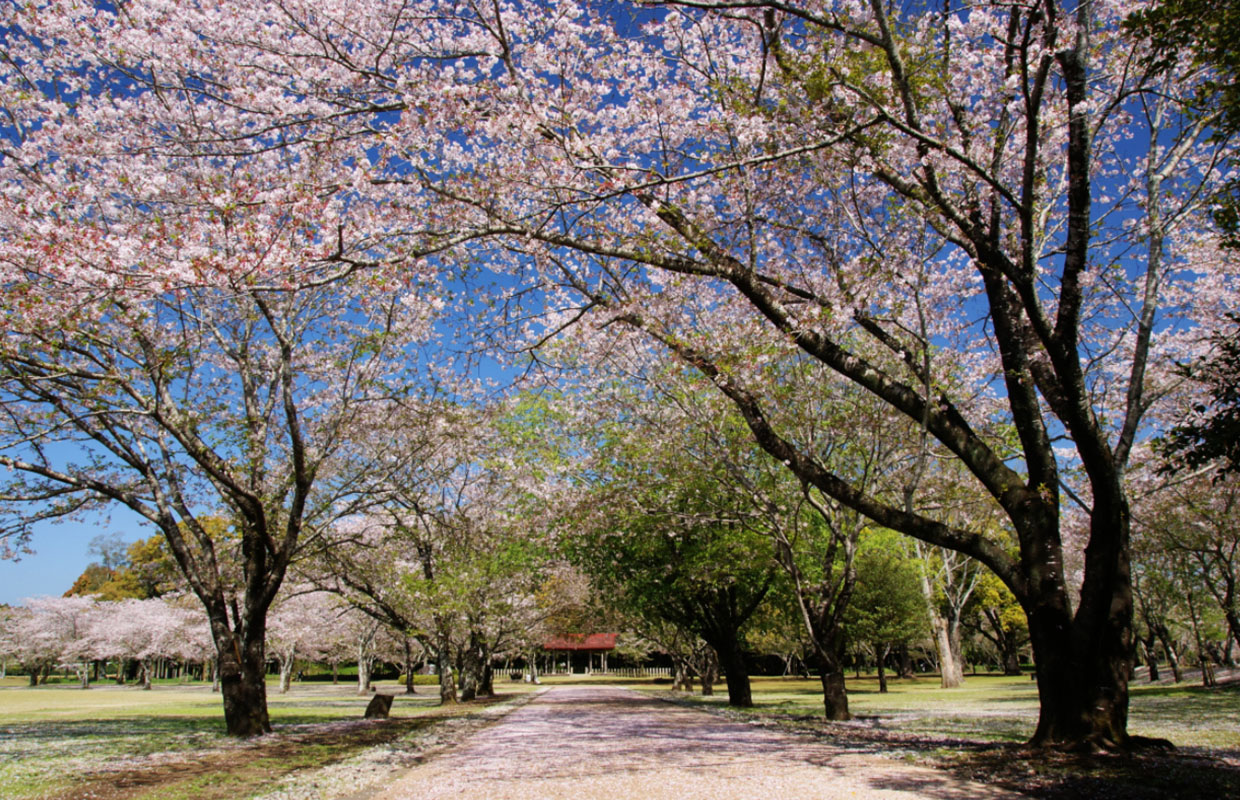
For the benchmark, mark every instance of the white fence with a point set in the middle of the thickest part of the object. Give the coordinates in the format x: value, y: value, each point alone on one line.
x: 617, y: 672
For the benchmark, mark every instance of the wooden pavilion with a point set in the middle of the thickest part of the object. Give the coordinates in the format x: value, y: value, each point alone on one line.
x: 591, y: 644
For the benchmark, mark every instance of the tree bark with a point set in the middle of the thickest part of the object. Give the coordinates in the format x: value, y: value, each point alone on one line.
x: 834, y: 697
x: 735, y: 671
x: 242, y: 670
x: 409, y: 668
x: 880, y: 655
x: 286, y: 673
x: 443, y: 665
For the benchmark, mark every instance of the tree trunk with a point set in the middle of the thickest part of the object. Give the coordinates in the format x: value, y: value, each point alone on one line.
x: 904, y: 662
x: 950, y: 672
x: 363, y: 671
x: 1009, y: 644
x: 735, y: 671
x: 286, y: 673
x: 443, y: 662
x: 682, y: 680
x: 409, y: 668
x: 469, y: 674
x: 710, y: 673
x: 1082, y: 676
x: 242, y: 671
x: 880, y: 655
x: 486, y: 685
x: 834, y: 697
x: 1151, y: 658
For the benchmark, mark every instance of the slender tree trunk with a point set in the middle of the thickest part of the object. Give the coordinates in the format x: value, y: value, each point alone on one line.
x: 710, y: 672
x: 950, y: 672
x: 1151, y: 657
x: 286, y: 673
x: 409, y: 668
x: 880, y: 655
x: 443, y: 662
x: 469, y: 674
x: 904, y: 662
x: 364, y: 662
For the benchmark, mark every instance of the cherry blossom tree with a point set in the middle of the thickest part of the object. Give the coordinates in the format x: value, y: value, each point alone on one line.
x: 1013, y: 188
x: 190, y: 337
x: 295, y: 629
x: 46, y: 632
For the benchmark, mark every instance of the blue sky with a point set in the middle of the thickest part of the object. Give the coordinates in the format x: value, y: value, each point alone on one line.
x: 60, y: 556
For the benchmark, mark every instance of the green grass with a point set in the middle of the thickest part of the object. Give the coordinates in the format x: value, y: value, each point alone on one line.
x: 999, y: 708
x: 50, y: 736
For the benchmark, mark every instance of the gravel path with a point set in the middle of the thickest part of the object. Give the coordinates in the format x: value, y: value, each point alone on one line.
x: 606, y: 742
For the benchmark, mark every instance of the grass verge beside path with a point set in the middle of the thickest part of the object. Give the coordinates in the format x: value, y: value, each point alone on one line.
x: 977, y: 731
x: 119, y: 743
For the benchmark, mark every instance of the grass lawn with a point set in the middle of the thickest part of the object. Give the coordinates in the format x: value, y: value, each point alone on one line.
x: 121, y: 743
x: 1003, y: 709
x: 55, y: 738
x: 977, y: 731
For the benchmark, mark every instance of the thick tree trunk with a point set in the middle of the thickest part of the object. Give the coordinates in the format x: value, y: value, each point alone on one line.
x: 735, y: 671
x: 1082, y: 673
x: 486, y: 685
x: 831, y: 661
x: 1010, y: 647
x: 834, y: 697
x: 242, y: 671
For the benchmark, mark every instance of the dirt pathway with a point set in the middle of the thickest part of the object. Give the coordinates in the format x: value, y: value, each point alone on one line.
x: 606, y: 742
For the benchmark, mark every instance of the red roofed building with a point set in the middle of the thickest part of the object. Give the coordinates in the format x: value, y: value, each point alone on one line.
x: 589, y: 643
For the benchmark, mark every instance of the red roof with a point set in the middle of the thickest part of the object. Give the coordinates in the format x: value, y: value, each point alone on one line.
x: 581, y: 641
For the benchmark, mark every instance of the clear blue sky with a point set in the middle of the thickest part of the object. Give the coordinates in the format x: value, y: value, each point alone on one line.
x: 60, y: 556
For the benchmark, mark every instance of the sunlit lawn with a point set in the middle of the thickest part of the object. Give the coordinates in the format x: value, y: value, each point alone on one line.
x: 1000, y: 708
x: 51, y: 735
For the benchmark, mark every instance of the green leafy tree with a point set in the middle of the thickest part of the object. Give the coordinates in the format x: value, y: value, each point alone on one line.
x: 887, y: 607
